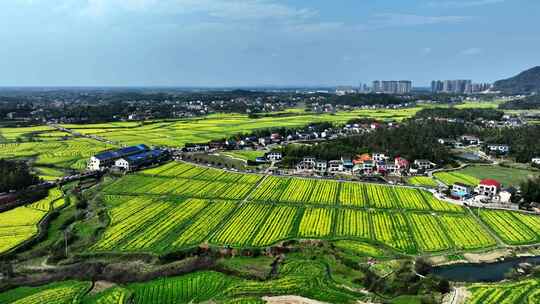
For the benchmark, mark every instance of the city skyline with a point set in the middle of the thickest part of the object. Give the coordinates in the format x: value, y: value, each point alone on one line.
x: 243, y: 43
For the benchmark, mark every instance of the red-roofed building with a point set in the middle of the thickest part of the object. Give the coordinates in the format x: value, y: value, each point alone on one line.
x: 488, y: 187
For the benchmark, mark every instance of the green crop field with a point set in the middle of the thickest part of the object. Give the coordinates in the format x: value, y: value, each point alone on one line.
x: 297, y: 276
x: 507, y: 176
x: 55, y: 293
x: 422, y: 181
x: 20, y: 224
x: 216, y: 126
x: 450, y: 178
x: 179, y: 205
x: 513, y: 228
x: 526, y: 292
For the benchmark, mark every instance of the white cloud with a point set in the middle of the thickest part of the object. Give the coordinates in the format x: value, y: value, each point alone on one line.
x: 471, y: 51
x: 462, y: 4
x: 224, y: 9
x: 392, y: 20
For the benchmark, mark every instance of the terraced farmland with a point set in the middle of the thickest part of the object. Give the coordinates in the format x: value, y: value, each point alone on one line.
x: 510, y: 228
x: 303, y: 277
x: 526, y: 292
x: 56, y: 293
x: 20, y: 224
x: 179, y: 205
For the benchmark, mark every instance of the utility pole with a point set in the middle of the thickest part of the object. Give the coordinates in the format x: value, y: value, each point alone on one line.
x: 65, y: 242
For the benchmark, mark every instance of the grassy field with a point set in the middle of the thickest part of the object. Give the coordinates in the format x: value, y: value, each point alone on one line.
x: 507, y: 176
x: 180, y: 205
x: 20, y: 224
x: 245, y: 154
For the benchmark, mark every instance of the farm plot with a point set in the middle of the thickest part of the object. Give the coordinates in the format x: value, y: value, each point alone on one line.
x: 506, y: 293
x: 20, y: 224
x: 55, y: 293
x: 117, y: 233
x: 242, y: 225
x: 114, y: 295
x: 392, y: 229
x: 508, y: 227
x: 46, y: 204
x: 270, y: 189
x: 298, y: 191
x: 278, y: 226
x: 381, y: 196
x: 422, y: 181
x: 324, y: 192
x: 203, y: 225
x: 192, y: 288
x: 411, y: 198
x: 171, y: 169
x: 438, y: 205
x: 164, y: 227
x: 427, y: 232
x: 353, y: 194
x: 450, y: 178
x: 529, y: 220
x: 465, y: 232
x: 353, y: 223
x: 316, y: 223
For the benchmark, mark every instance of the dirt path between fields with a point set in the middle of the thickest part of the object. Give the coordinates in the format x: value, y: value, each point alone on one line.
x: 487, y: 257
x: 458, y: 295
x: 100, y: 286
x: 290, y: 300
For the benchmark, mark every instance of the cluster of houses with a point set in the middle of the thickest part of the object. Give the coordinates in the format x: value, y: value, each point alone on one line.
x: 364, y: 164
x: 128, y: 159
x: 473, y: 141
x: 308, y: 134
x: 489, y: 188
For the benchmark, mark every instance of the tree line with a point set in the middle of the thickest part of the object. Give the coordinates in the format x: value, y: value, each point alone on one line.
x: 15, y: 175
x: 411, y: 140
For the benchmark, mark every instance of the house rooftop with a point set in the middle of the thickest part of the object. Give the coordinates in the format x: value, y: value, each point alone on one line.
x: 490, y: 182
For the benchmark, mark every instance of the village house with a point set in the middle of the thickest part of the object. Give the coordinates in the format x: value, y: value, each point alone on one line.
x: 133, y: 162
x: 368, y: 167
x: 379, y: 157
x: 321, y: 167
x: 423, y: 164
x: 335, y: 166
x: 488, y: 187
x: 107, y: 159
x: 347, y: 165
x: 498, y: 149
x: 470, y: 140
x: 461, y: 191
x: 273, y: 156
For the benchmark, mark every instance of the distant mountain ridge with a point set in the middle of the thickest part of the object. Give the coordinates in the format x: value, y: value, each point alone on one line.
x: 524, y: 83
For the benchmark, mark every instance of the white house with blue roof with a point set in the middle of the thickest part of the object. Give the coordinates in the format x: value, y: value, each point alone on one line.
x: 107, y: 159
x: 133, y: 162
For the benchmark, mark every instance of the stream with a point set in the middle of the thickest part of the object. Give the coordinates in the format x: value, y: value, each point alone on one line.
x: 482, y: 272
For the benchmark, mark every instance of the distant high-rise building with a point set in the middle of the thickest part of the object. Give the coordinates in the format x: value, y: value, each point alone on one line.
x: 392, y: 87
x: 452, y: 86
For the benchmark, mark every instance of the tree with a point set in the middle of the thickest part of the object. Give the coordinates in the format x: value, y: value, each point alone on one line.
x: 530, y: 190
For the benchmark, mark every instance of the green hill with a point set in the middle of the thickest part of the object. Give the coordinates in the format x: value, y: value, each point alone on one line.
x: 525, y: 82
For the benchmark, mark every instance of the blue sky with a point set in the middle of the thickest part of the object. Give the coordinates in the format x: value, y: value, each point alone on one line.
x: 263, y: 42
